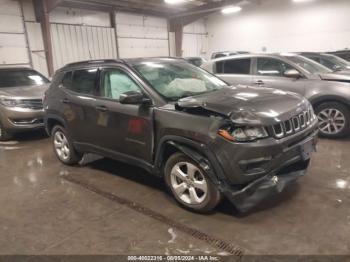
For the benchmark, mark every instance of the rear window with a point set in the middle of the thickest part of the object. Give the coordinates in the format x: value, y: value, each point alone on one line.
x: 234, y: 66
x: 82, y: 81
x: 16, y: 77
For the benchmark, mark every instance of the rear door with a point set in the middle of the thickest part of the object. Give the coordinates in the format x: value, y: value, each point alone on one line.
x: 235, y: 71
x: 78, y: 102
x: 120, y: 128
x: 269, y: 72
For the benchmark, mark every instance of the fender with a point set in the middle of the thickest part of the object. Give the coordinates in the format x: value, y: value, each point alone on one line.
x: 198, y: 152
x: 53, y: 117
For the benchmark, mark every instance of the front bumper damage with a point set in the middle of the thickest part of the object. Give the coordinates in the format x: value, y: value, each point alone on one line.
x: 247, y: 198
x: 273, y: 183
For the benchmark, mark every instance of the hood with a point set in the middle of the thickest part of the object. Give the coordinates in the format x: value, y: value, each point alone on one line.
x: 24, y: 91
x: 341, y: 76
x: 249, y: 105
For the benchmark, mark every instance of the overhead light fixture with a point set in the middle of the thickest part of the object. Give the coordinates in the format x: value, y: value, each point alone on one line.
x: 174, y: 2
x: 231, y: 9
x: 302, y: 1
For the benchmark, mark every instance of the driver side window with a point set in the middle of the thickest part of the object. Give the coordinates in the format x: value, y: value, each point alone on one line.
x: 116, y: 82
x: 272, y: 67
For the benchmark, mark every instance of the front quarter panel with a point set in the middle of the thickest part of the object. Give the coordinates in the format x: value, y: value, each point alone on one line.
x: 328, y: 91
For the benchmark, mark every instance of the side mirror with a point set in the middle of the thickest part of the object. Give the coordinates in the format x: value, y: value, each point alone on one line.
x: 133, y: 98
x: 292, y: 73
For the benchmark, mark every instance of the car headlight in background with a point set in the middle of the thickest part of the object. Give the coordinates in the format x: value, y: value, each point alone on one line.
x: 9, y: 102
x: 243, y: 134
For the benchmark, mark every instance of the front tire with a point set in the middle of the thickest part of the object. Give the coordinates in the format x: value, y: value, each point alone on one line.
x: 190, y: 185
x: 334, y: 120
x: 63, y: 147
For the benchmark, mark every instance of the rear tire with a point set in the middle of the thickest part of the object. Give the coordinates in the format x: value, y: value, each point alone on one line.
x: 334, y: 119
x: 4, y: 134
x: 190, y: 185
x: 63, y: 147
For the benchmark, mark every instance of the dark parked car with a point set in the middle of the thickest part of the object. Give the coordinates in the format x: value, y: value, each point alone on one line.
x: 345, y: 54
x: 21, y: 93
x: 328, y: 92
x: 179, y: 122
x: 227, y: 53
x: 334, y: 63
x: 197, y: 61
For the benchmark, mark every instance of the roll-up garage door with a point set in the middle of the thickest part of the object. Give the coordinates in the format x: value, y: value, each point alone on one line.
x: 73, y: 43
x: 142, y: 36
x: 13, y: 42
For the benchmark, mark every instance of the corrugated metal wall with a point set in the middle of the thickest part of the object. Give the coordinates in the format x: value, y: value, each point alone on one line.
x: 13, y: 42
x: 73, y: 43
x: 35, y: 38
x: 142, y: 36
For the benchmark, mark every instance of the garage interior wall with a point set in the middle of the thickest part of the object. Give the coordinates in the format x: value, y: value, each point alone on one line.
x: 278, y: 26
x: 195, y: 39
x: 13, y: 41
x: 81, y: 35
x: 142, y: 36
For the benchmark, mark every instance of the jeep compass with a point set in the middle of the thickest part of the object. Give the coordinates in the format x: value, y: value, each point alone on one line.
x: 177, y: 121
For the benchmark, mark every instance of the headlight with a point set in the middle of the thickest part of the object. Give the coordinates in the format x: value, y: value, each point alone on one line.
x: 9, y: 102
x: 243, y: 134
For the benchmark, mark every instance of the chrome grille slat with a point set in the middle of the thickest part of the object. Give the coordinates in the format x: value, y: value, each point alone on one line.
x: 294, y: 125
x: 35, y: 104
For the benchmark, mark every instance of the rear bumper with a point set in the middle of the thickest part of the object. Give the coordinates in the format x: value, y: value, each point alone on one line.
x: 21, y: 119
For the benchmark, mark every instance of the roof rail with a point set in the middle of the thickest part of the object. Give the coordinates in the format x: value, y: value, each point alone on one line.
x: 97, y: 61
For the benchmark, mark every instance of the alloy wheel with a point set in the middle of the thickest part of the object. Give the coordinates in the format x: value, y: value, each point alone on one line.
x: 188, y: 183
x: 331, y: 121
x: 61, y: 146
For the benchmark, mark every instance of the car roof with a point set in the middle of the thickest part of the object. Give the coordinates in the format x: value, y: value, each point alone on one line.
x: 15, y: 68
x: 242, y: 56
x: 102, y: 62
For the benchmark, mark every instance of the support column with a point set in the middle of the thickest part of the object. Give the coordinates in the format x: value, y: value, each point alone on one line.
x: 177, y: 28
x: 45, y: 26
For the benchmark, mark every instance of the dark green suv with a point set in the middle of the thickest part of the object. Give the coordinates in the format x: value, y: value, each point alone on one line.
x: 179, y: 122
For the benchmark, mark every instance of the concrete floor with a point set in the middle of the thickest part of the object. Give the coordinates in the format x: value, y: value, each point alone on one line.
x: 43, y: 212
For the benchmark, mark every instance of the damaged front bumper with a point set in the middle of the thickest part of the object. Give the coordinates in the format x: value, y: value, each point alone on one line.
x: 247, y: 198
x: 251, y: 194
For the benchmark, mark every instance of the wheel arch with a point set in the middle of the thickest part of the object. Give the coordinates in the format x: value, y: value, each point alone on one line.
x: 51, y: 121
x: 198, y: 152
x: 328, y: 99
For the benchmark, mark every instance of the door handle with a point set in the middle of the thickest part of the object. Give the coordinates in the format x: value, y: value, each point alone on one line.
x: 65, y: 101
x: 101, y: 108
x: 259, y: 83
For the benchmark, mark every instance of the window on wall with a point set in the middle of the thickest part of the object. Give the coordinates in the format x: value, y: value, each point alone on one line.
x: 272, y: 67
x: 117, y: 82
x: 84, y: 81
x: 234, y: 66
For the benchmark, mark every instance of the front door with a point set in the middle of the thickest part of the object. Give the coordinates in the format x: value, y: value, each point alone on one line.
x: 269, y: 72
x: 123, y: 129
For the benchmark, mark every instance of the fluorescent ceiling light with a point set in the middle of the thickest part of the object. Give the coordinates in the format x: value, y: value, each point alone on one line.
x: 301, y: 1
x: 231, y: 9
x: 174, y: 2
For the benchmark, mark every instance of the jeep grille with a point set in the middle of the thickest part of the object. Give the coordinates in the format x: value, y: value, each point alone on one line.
x: 295, y: 124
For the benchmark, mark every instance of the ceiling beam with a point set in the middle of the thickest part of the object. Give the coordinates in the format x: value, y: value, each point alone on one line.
x: 52, y: 4
x: 208, y: 8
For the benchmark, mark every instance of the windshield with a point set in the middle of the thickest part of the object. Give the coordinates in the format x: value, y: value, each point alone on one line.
x: 335, y: 63
x: 309, y: 65
x: 176, y: 80
x: 21, y: 77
